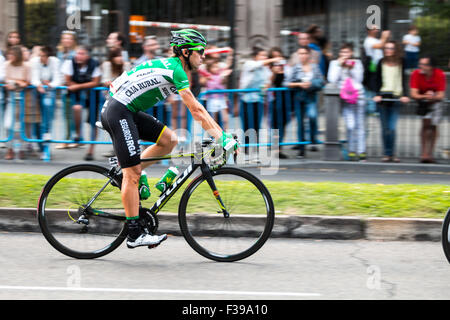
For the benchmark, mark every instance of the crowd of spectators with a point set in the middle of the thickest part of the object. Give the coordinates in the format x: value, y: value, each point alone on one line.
x: 376, y: 83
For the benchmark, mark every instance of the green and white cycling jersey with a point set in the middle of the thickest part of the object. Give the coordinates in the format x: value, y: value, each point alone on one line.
x: 149, y: 83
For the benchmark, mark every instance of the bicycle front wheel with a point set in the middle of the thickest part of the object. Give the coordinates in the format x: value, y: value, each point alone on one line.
x: 226, y: 238
x: 80, y: 212
x: 446, y: 235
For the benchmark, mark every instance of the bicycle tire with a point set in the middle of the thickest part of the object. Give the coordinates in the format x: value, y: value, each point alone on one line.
x: 445, y: 235
x: 261, y: 236
x: 47, y: 216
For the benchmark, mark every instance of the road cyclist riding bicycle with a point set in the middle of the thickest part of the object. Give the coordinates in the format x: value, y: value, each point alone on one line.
x: 124, y: 118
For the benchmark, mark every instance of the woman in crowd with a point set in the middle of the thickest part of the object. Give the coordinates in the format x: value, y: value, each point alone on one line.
x: 17, y: 78
x: 66, y: 51
x: 391, y: 83
x: 307, y: 79
x: 114, y: 66
x: 348, y: 72
x: 255, y: 74
x: 278, y: 107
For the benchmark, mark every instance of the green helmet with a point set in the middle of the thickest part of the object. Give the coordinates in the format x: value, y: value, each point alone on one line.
x: 187, y: 38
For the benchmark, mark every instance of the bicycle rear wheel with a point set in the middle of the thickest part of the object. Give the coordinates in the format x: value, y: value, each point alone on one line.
x: 446, y: 235
x: 227, y: 239
x: 80, y: 212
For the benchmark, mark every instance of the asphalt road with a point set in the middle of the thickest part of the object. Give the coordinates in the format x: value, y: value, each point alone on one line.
x: 281, y: 270
x: 319, y: 173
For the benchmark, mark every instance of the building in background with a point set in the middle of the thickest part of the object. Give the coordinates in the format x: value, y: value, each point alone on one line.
x: 241, y: 24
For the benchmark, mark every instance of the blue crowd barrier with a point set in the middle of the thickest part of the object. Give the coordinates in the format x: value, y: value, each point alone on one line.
x: 275, y: 103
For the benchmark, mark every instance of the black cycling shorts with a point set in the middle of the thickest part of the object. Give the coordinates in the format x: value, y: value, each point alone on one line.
x: 126, y: 128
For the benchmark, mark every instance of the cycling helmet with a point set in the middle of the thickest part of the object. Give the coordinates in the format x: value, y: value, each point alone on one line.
x: 187, y: 38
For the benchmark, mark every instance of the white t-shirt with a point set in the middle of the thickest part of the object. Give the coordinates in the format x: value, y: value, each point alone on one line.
x: 376, y: 54
x: 411, y: 39
x: 67, y: 69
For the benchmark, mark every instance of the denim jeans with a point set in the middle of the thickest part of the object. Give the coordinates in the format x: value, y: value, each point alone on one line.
x: 47, y: 103
x: 355, y: 124
x: 251, y: 114
x: 389, y: 112
x: 306, y: 109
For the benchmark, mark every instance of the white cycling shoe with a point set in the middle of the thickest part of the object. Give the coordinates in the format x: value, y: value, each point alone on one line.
x: 146, y: 240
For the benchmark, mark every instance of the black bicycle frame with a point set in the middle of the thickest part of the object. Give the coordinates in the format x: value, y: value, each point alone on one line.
x: 166, y: 195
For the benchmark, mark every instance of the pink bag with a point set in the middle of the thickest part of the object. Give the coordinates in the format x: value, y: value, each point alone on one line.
x: 348, y: 92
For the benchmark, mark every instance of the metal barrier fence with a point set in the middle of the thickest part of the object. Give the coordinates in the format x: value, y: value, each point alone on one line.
x: 29, y: 117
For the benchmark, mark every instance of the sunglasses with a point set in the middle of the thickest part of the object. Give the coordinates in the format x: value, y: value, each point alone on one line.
x: 200, y: 50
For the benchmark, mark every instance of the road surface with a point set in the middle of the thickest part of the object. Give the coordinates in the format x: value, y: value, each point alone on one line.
x: 284, y: 269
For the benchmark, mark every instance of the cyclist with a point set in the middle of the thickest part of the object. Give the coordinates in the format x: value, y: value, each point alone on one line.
x: 124, y: 118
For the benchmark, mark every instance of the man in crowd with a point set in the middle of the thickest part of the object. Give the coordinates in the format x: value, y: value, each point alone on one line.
x: 428, y: 89
x: 81, y: 74
x: 150, y: 46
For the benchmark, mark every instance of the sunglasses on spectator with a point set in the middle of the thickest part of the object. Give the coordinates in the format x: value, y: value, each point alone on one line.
x: 424, y: 64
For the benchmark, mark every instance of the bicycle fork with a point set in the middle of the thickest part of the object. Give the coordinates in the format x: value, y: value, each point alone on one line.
x: 207, y: 174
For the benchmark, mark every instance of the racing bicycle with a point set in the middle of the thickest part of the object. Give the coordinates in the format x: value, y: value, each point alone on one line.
x: 225, y: 213
x: 446, y: 235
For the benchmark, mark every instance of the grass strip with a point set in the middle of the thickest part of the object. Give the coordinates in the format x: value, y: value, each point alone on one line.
x: 292, y: 198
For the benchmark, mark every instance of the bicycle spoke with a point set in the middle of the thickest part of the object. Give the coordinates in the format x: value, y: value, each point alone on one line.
x: 74, y: 210
x: 227, y: 237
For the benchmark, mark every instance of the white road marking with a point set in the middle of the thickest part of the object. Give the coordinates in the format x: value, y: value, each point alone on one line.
x: 125, y: 290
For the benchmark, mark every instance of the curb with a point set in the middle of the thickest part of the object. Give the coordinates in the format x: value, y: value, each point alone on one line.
x: 295, y: 227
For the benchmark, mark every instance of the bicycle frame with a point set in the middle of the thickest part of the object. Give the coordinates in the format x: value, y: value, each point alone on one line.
x: 167, y: 195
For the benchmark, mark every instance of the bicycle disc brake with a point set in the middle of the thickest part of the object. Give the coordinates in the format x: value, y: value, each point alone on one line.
x: 149, y: 220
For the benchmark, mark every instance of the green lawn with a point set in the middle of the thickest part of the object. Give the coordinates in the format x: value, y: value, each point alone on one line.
x: 302, y: 198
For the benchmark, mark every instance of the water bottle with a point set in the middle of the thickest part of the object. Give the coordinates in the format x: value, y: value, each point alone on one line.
x: 144, y: 190
x: 167, y: 180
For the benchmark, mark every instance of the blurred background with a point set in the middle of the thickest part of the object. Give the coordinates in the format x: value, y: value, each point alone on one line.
x: 240, y: 24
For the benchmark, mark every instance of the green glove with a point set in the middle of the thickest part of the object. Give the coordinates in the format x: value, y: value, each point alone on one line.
x: 228, y: 142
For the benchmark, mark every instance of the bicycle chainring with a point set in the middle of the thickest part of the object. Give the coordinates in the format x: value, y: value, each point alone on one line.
x: 148, y: 220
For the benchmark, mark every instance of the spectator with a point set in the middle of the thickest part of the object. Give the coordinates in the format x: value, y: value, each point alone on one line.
x: 81, y: 74
x: 412, y: 43
x: 66, y: 52
x: 13, y: 39
x: 348, y: 73
x: 46, y: 76
x: 2, y: 80
x: 254, y: 75
x: 2, y: 68
x: 428, y: 85
x: 113, y: 67
x: 308, y: 79
x: 390, y: 84
x: 280, y: 110
x: 117, y: 40
x: 17, y: 78
x: 66, y: 46
x: 373, y: 52
x: 304, y: 40
x: 150, y: 47
x: 315, y: 35
x: 32, y: 114
x: 217, y: 103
